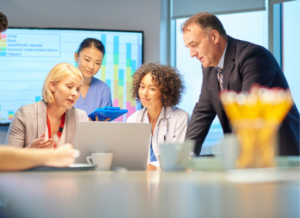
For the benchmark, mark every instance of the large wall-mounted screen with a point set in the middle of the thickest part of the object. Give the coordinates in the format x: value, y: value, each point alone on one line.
x: 27, y: 55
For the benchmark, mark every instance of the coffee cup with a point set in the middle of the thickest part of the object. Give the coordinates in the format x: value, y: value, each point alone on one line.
x: 102, y: 161
x: 175, y: 157
x: 227, y: 150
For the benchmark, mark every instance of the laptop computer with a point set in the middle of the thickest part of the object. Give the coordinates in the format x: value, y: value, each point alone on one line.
x: 129, y: 142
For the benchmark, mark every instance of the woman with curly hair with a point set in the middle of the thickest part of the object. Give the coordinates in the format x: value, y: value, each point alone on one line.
x: 159, y: 88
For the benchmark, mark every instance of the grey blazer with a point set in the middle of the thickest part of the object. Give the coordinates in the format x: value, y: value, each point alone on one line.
x: 29, y: 123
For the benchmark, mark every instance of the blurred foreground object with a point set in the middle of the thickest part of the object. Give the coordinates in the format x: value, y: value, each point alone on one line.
x: 176, y: 157
x: 14, y: 159
x: 255, y: 118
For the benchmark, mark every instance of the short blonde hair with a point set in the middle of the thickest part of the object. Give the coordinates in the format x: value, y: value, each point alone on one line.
x: 57, y: 74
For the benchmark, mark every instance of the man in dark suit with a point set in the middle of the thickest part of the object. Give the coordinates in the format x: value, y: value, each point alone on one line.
x: 235, y: 65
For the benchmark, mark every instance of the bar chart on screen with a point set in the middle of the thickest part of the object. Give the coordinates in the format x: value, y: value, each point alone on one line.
x: 119, y: 78
x: 3, y: 45
x: 27, y: 56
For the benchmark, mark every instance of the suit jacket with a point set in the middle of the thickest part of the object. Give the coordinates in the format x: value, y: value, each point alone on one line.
x: 244, y: 64
x: 29, y: 123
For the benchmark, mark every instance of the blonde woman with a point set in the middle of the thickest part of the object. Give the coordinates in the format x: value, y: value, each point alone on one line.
x: 34, y: 125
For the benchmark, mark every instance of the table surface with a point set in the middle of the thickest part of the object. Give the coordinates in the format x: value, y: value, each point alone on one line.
x: 146, y: 194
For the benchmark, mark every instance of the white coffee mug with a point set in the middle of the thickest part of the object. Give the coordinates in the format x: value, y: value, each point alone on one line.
x: 175, y: 157
x: 227, y: 150
x: 101, y: 160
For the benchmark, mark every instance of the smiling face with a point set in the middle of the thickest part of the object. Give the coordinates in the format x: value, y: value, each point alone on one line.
x: 149, y: 92
x: 66, y: 92
x: 203, y: 45
x: 89, y: 61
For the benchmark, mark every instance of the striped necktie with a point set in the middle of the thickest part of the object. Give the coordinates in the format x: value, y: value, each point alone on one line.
x: 220, y: 77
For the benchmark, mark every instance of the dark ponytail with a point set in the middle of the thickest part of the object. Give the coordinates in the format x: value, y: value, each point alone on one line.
x: 89, y: 42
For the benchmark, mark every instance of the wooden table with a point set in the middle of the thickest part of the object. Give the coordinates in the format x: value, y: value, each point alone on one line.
x: 144, y: 194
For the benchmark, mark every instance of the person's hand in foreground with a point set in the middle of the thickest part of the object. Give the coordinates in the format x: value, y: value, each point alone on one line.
x: 13, y: 159
x: 41, y: 142
x: 63, y: 156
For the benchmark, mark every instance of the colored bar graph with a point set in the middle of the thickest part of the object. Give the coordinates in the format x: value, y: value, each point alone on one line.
x: 3, y: 46
x: 103, y: 65
x: 117, y: 75
x: 130, y: 70
x: 122, y: 58
x: 108, y: 82
x: 115, y: 102
x: 0, y: 114
x: 37, y: 98
x: 121, y: 78
x: 10, y: 115
x: 131, y: 109
x: 133, y: 67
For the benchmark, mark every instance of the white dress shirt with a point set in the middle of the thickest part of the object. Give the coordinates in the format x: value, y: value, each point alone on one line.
x: 221, y: 62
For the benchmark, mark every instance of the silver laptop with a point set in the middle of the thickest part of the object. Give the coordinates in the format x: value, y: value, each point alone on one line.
x: 129, y: 142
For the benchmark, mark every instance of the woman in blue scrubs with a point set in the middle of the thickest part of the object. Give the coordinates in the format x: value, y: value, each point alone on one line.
x: 94, y: 93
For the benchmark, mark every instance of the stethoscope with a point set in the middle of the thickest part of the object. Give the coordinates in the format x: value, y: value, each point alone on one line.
x: 164, y: 118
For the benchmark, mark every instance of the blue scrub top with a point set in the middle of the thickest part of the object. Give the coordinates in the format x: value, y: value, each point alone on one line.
x: 152, y: 155
x: 98, y: 96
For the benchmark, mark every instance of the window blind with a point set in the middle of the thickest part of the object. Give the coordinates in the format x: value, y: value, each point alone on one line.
x: 187, y: 8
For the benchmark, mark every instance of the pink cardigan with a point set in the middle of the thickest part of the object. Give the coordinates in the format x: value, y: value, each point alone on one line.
x: 30, y: 120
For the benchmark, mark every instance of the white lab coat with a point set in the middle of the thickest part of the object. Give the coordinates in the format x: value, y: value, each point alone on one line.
x: 178, y: 122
